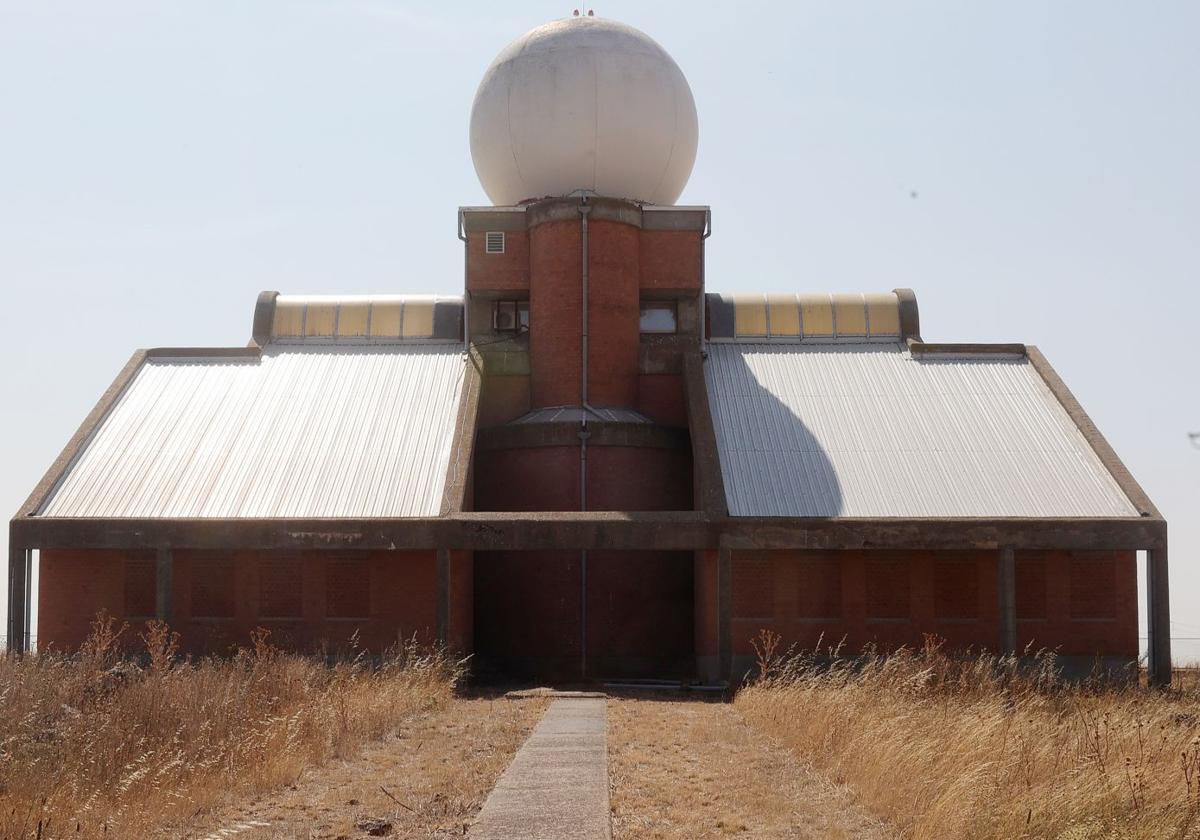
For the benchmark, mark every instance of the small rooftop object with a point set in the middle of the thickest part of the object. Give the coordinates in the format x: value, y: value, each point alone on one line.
x: 583, y: 105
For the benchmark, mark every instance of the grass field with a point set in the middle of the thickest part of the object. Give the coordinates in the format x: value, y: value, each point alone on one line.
x: 95, y: 746
x: 947, y: 747
x: 916, y: 744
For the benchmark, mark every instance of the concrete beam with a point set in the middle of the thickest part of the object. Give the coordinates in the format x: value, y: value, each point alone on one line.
x: 599, y: 530
x: 20, y: 562
x: 1006, y: 585
x: 1158, y: 618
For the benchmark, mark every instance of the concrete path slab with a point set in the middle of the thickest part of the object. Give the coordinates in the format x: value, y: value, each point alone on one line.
x: 557, y: 785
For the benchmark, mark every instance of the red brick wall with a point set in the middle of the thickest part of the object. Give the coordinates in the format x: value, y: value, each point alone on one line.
x: 507, y: 272
x: 1082, y: 604
x: 639, y: 613
x: 619, y: 478
x: 527, y: 612
x: 614, y: 306
x: 554, y: 313
x: 661, y: 398
x: 73, y: 586
x: 282, y: 591
x: 670, y: 260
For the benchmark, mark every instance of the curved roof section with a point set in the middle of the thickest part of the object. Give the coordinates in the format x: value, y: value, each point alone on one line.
x: 872, y: 430
x: 299, y: 432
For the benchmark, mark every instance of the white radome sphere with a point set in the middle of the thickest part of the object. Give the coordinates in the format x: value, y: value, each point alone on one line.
x: 583, y: 105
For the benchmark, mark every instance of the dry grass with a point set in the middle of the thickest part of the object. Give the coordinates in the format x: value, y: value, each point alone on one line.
x: 946, y: 747
x: 93, y: 745
x: 428, y: 780
x: 690, y: 769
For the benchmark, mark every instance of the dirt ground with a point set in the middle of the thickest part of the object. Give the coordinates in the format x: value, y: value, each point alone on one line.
x: 427, y: 782
x: 695, y: 769
x: 678, y: 768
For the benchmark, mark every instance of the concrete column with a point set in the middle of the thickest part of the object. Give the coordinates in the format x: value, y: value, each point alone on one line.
x: 1158, y: 618
x: 164, y: 585
x: 1006, y: 586
x: 443, y: 596
x: 19, y: 574
x: 725, y: 614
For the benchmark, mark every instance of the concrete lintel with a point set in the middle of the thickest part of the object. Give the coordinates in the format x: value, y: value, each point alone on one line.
x: 601, y: 530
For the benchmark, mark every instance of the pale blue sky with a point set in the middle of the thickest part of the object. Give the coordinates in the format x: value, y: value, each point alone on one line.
x: 161, y: 163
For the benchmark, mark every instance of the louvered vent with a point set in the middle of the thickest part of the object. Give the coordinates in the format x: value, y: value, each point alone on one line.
x: 494, y: 242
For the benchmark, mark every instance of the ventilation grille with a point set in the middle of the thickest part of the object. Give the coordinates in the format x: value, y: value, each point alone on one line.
x: 494, y: 242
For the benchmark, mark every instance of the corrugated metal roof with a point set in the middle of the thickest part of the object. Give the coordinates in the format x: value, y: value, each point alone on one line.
x: 869, y: 430
x: 336, y: 431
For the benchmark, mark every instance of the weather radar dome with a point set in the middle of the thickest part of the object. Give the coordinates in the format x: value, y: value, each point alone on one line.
x: 583, y: 105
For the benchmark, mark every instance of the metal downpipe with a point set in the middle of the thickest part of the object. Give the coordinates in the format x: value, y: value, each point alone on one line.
x: 584, y: 210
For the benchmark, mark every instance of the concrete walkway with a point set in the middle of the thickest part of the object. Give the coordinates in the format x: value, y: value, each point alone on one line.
x: 557, y: 785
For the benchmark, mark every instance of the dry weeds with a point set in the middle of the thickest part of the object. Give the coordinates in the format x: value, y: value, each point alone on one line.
x: 951, y: 747
x: 694, y: 769
x: 93, y: 745
x: 429, y: 780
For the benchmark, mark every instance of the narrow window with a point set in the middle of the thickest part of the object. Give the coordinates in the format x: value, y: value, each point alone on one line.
x: 493, y: 242
x: 510, y: 316
x: 658, y: 316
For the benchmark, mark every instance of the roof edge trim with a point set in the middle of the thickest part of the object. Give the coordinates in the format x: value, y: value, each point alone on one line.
x: 79, y: 441
x: 1091, y: 433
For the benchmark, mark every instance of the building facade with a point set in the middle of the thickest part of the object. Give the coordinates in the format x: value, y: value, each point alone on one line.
x: 589, y: 466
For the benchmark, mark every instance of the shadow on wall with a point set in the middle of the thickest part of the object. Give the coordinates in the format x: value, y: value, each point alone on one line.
x: 771, y: 462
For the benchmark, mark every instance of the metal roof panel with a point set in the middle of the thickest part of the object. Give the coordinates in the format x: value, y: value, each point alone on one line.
x: 330, y: 431
x: 870, y: 430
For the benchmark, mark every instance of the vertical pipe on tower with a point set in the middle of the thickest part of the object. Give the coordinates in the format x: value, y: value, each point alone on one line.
x: 584, y: 209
